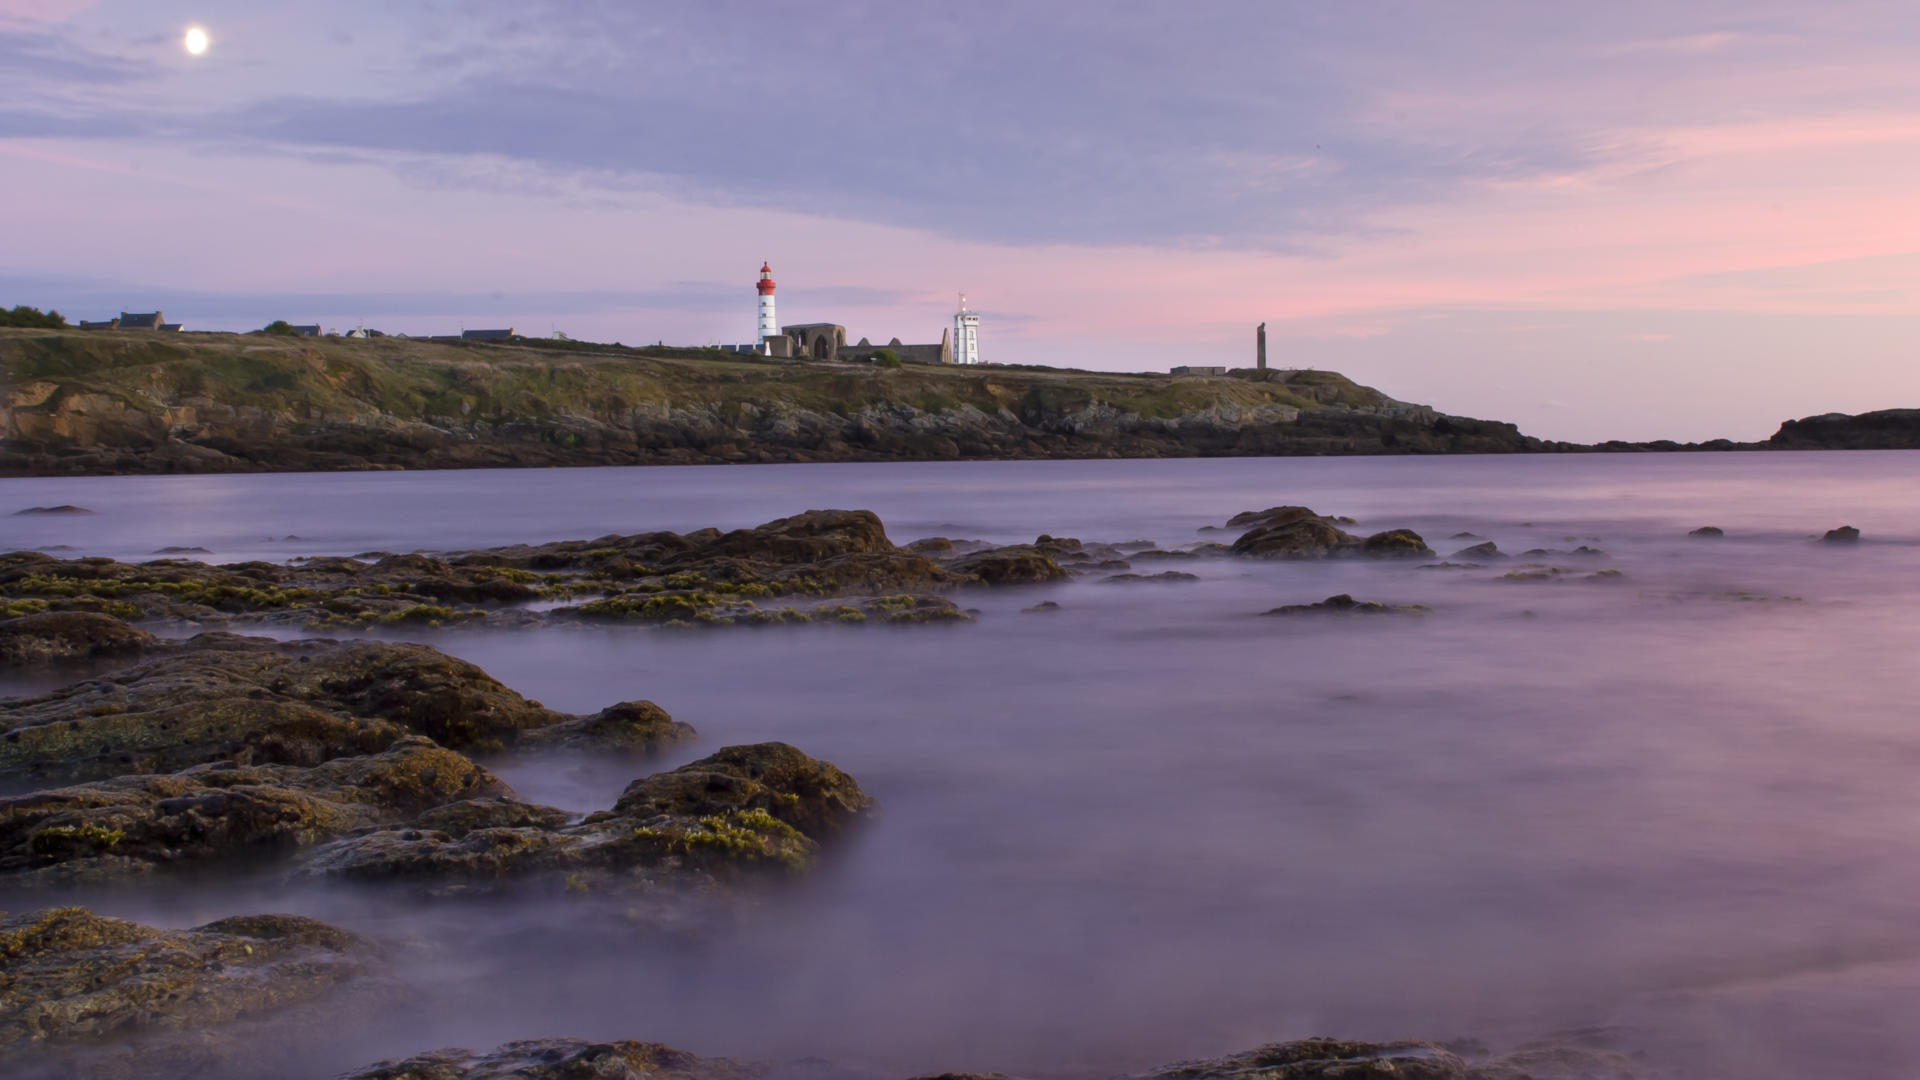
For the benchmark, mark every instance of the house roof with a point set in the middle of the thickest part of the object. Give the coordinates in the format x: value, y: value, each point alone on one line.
x: 487, y: 335
x: 132, y: 321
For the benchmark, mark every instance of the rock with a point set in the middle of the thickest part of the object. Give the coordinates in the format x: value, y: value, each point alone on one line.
x: 636, y: 726
x: 1042, y: 608
x: 1886, y: 429
x: 1325, y: 1059
x: 933, y: 545
x: 1588, y: 552
x: 63, y: 509
x: 457, y: 819
x: 1158, y: 555
x: 562, y: 1059
x: 73, y: 977
x: 1397, y: 544
x: 1707, y: 532
x: 68, y: 635
x: 1343, y: 604
x: 218, y: 697
x: 1296, y: 538
x: 1845, y: 534
x: 741, y: 811
x: 809, y: 537
x: 132, y: 824
x: 1017, y: 564
x: 1485, y: 550
x: 171, y: 550
x: 1272, y: 517
x: 1466, y: 536
x: 1163, y: 576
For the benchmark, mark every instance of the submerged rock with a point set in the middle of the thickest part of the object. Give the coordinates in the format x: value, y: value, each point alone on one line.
x: 1295, y: 532
x: 73, y: 977
x: 1343, y: 604
x: 1325, y: 1059
x: 68, y: 635
x: 1042, y: 608
x: 1017, y: 564
x: 1297, y: 538
x: 133, y: 824
x: 219, y: 697
x: 1397, y: 544
x: 562, y: 1059
x: 742, y: 810
x: 1163, y: 576
x: 1487, y: 550
x: 62, y: 509
x: 1845, y: 534
x: 1708, y: 532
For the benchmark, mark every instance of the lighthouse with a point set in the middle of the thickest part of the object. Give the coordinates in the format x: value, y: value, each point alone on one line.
x: 769, y: 326
x: 966, y: 334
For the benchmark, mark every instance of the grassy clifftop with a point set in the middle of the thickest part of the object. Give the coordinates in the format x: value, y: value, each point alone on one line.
x: 133, y: 401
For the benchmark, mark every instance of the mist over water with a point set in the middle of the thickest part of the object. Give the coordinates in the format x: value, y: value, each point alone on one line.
x: 1153, y: 825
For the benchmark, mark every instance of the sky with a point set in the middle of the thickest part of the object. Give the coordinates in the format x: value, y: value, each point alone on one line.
x: 1629, y: 220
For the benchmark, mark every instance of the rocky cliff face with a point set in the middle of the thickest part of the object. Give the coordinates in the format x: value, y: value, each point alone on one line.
x: 1887, y: 429
x: 126, y: 402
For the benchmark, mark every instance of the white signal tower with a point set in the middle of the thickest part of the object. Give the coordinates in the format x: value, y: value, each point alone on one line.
x: 966, y: 334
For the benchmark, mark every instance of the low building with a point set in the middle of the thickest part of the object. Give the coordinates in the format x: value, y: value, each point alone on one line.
x: 1196, y: 369
x: 940, y: 352
x: 110, y: 324
x: 816, y: 341
x: 307, y: 330
x: 489, y: 335
x: 151, y: 320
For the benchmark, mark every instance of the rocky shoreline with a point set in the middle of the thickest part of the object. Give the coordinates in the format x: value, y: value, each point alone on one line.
x: 366, y: 764
x: 106, y: 403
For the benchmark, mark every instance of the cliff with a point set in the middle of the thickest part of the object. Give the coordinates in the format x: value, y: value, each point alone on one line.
x: 132, y: 402
x: 1887, y: 429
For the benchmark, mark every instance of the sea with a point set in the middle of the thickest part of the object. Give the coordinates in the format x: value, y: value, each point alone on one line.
x: 1680, y: 803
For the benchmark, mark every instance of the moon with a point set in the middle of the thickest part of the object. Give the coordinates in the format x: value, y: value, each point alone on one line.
x: 196, y: 40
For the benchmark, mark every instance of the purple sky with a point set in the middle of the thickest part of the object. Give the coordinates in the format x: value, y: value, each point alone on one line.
x: 1622, y: 220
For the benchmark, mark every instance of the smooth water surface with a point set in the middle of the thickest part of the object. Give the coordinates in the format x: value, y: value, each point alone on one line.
x: 1156, y: 825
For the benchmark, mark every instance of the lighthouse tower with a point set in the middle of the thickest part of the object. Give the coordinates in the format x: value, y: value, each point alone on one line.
x: 966, y: 334
x: 769, y: 326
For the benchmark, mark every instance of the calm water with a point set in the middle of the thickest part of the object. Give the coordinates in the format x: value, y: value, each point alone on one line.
x: 1153, y: 825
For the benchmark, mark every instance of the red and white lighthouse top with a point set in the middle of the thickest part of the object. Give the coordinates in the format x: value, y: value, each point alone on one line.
x: 766, y: 279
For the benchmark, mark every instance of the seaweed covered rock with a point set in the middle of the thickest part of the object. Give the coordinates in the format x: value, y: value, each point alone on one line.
x: 637, y: 726
x: 68, y: 976
x: 1487, y: 550
x: 1272, y: 517
x: 1396, y: 544
x: 1295, y: 538
x: 133, y: 824
x: 68, y: 635
x: 1344, y: 604
x: 1325, y: 1059
x: 219, y: 697
x: 1015, y: 564
x: 562, y: 1059
x: 742, y: 810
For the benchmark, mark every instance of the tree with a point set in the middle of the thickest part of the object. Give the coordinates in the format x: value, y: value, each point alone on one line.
x: 886, y: 358
x: 32, y: 318
x: 281, y: 327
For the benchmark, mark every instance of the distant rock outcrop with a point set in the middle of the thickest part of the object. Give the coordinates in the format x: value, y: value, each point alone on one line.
x: 1887, y: 429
